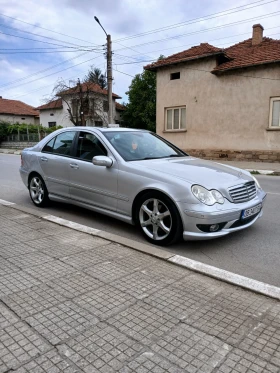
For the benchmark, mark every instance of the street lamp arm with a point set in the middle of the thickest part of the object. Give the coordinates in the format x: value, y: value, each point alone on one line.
x: 97, y: 20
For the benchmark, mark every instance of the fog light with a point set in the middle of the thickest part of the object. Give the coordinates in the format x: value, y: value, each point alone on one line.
x: 214, y: 227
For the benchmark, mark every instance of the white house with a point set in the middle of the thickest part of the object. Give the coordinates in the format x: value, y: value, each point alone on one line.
x: 84, y: 104
x: 14, y: 111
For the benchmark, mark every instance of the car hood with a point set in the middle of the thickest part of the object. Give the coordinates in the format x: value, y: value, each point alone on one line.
x: 197, y: 171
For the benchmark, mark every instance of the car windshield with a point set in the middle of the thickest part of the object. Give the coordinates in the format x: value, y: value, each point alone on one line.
x: 137, y: 145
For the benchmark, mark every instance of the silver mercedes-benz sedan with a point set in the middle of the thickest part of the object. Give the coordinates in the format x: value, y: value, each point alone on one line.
x: 140, y: 178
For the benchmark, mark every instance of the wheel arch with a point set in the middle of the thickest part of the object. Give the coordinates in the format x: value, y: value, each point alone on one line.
x: 144, y: 191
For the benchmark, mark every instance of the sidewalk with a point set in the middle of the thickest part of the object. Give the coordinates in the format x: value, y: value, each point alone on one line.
x: 74, y: 302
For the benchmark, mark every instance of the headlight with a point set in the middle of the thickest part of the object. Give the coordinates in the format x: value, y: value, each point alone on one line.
x: 257, y: 182
x: 208, y: 197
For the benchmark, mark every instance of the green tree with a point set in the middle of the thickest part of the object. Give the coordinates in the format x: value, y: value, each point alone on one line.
x: 141, y: 109
x: 95, y: 75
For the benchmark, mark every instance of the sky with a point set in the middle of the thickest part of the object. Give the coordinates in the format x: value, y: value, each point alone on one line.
x: 42, y: 42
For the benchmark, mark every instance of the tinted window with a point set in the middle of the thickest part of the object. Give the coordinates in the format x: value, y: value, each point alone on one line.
x: 138, y: 145
x: 63, y: 143
x: 89, y: 146
x: 48, y: 148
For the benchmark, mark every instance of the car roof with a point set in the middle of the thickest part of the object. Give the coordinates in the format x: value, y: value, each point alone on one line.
x: 106, y: 129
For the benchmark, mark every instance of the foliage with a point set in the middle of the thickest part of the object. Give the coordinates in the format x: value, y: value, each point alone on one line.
x: 7, y: 129
x: 95, y: 75
x: 141, y: 110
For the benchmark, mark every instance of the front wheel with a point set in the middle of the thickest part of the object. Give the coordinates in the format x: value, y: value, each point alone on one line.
x: 38, y: 191
x: 159, y: 219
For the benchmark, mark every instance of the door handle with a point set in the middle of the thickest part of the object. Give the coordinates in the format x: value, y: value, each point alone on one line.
x: 74, y: 165
x: 44, y: 159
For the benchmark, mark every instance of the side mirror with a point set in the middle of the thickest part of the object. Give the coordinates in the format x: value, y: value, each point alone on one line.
x: 102, y: 160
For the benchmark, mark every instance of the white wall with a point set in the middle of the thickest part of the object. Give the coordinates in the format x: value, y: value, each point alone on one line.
x: 17, y: 118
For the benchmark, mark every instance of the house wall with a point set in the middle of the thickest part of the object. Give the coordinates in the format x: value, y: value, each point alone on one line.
x: 59, y: 116
x: 18, y: 118
x: 227, y: 112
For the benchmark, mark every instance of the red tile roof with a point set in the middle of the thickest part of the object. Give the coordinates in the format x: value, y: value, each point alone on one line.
x: 91, y: 87
x: 56, y: 104
x: 120, y: 107
x: 240, y: 55
x: 200, y: 51
x: 245, y: 54
x: 14, y: 107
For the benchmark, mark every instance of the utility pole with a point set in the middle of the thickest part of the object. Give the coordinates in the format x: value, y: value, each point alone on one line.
x: 109, y: 78
x: 109, y: 73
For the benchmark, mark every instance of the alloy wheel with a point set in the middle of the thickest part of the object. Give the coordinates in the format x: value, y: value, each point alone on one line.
x: 37, y: 191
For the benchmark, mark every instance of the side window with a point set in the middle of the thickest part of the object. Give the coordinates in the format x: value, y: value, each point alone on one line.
x: 48, y: 148
x: 63, y: 143
x: 89, y: 146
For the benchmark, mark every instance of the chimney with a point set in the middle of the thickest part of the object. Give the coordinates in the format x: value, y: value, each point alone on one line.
x: 257, y: 34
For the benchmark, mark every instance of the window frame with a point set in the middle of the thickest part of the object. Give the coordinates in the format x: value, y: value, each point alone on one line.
x: 165, y: 119
x: 272, y: 100
x: 70, y: 155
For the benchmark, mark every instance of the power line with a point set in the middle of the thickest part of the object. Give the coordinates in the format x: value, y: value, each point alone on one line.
x: 43, y: 28
x: 199, y: 19
x: 205, y: 30
x: 41, y: 36
x: 56, y: 51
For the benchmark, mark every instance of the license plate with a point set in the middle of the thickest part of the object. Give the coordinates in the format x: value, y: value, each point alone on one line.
x: 251, y: 211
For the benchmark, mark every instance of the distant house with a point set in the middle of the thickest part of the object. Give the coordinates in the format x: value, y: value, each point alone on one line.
x: 13, y: 111
x: 222, y: 103
x: 84, y: 104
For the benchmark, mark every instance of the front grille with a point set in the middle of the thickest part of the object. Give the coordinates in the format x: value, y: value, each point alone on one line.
x: 244, y: 192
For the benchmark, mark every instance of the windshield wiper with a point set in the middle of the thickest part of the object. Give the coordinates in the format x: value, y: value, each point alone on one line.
x: 175, y: 155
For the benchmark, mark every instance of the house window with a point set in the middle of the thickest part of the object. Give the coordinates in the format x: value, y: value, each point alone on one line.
x: 51, y: 114
x: 22, y: 118
x: 52, y: 124
x: 75, y: 104
x: 174, y: 76
x: 175, y: 119
x: 274, y: 112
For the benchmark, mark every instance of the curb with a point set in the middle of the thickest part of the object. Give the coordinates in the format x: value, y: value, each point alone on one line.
x: 205, y: 269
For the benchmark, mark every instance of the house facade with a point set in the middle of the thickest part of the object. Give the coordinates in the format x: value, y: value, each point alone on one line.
x: 85, y: 104
x: 14, y: 111
x: 222, y: 103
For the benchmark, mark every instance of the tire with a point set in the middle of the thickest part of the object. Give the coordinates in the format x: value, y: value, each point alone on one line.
x: 158, y: 218
x: 38, y: 191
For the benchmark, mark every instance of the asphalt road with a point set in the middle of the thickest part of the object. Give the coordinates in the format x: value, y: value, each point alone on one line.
x: 254, y: 252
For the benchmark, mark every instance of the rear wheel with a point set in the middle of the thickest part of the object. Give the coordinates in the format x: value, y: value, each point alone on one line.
x: 159, y: 219
x: 38, y: 191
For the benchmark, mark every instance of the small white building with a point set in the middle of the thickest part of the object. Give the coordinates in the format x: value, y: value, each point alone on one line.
x: 84, y: 104
x: 14, y: 111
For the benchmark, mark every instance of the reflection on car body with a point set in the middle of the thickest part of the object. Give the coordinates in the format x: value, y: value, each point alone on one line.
x: 140, y: 178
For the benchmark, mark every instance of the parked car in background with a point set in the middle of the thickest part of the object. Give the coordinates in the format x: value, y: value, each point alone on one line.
x: 140, y: 178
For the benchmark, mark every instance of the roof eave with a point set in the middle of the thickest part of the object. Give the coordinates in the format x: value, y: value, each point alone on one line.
x: 155, y: 68
x: 219, y: 72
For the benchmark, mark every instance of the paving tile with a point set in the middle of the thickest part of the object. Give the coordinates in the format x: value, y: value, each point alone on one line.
x: 191, y: 349
x: 30, y: 259
x: 137, y: 261
x: 272, y: 317
x: 60, y: 322
x: 228, y: 325
x: 9, y: 240
x: 246, y: 302
x: 113, y: 251
x: 9, y: 251
x: 7, y: 268
x: 30, y: 301
x: 31, y: 236
x: 50, y: 362
x: 15, y: 229
x: 84, y: 259
x: 105, y: 301
x: 263, y: 341
x: 44, y: 243
x: 239, y: 361
x: 176, y: 303
x: 15, y: 282
x: 7, y: 317
x: 18, y: 344
x: 61, y: 250
x: 75, y: 284
x: 165, y: 270
x: 50, y: 270
x: 107, y: 271
x: 100, y: 349
x: 143, y: 322
x: 90, y: 242
x: 148, y: 362
x: 138, y: 285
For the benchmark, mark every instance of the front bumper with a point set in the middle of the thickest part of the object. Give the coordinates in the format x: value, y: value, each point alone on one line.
x: 228, y: 213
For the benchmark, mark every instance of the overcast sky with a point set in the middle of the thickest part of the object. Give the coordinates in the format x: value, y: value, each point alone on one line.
x: 141, y: 30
